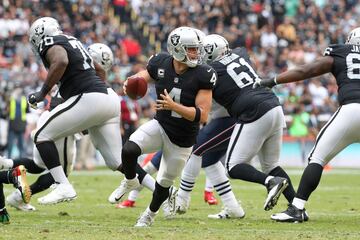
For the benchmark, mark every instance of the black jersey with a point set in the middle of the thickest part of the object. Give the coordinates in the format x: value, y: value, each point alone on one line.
x: 183, y: 89
x: 80, y: 75
x: 234, y: 88
x: 346, y: 69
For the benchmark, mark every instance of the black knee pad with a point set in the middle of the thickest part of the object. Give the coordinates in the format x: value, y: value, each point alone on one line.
x: 130, y: 150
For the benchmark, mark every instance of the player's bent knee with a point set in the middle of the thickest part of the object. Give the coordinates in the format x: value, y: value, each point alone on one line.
x: 130, y: 150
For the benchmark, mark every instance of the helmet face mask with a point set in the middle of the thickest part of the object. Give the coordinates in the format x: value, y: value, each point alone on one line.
x: 216, y: 47
x: 101, y: 54
x: 185, y: 45
x: 41, y: 28
x: 354, y: 37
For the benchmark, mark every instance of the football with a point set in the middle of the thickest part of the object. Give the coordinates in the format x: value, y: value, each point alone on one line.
x: 136, y: 87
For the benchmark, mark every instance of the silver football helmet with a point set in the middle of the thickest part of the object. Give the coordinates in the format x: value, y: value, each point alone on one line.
x: 354, y: 37
x: 101, y: 54
x: 182, y: 39
x: 41, y: 28
x: 215, y: 47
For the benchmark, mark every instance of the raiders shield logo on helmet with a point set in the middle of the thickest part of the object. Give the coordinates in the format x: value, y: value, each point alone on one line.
x: 39, y: 30
x: 209, y: 49
x: 175, y: 39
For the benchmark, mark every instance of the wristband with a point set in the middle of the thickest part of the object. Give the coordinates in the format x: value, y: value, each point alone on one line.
x: 44, y: 90
x: 197, y: 114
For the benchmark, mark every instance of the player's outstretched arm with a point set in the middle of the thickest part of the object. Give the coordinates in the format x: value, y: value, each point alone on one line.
x: 58, y: 60
x: 318, y: 67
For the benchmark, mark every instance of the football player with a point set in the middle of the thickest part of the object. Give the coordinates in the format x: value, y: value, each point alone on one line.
x: 73, y: 69
x: 103, y: 55
x: 66, y: 146
x: 229, y: 91
x: 343, y: 128
x: 260, y: 121
x: 184, y: 91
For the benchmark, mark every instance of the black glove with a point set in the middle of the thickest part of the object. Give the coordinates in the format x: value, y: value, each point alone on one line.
x: 35, y: 98
x: 269, y: 83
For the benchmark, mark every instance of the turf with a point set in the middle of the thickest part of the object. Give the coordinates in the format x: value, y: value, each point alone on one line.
x: 334, y: 210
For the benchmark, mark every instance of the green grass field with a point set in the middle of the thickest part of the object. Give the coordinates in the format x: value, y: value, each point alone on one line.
x: 334, y: 210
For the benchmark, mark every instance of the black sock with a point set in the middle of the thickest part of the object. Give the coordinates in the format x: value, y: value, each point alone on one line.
x: 248, y: 173
x: 42, y: 183
x: 159, y: 196
x: 6, y: 177
x: 289, y: 192
x: 49, y: 154
x: 2, y: 197
x: 130, y: 153
x: 29, y: 164
x: 141, y: 173
x: 309, y: 180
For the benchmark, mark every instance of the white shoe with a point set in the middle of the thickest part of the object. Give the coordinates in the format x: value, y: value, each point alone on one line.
x: 15, y: 200
x: 5, y: 163
x: 182, y: 204
x: 146, y: 219
x: 62, y: 192
x: 169, y: 205
x: 125, y: 187
x: 229, y: 213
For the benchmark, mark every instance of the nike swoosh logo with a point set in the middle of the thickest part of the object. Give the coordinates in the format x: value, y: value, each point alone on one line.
x: 117, y: 199
x: 209, y: 70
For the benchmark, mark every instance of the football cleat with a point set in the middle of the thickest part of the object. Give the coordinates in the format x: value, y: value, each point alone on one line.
x: 61, y: 193
x: 125, y: 187
x: 169, y: 206
x: 126, y: 204
x: 210, y: 198
x: 15, y: 200
x: 146, y: 219
x: 227, y: 213
x: 275, y: 187
x: 4, y: 216
x: 182, y: 204
x: 291, y: 214
x: 20, y: 182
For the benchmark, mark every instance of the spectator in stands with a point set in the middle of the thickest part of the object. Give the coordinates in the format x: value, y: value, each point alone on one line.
x: 17, y: 109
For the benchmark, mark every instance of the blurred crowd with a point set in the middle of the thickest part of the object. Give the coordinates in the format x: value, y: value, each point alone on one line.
x: 278, y: 34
